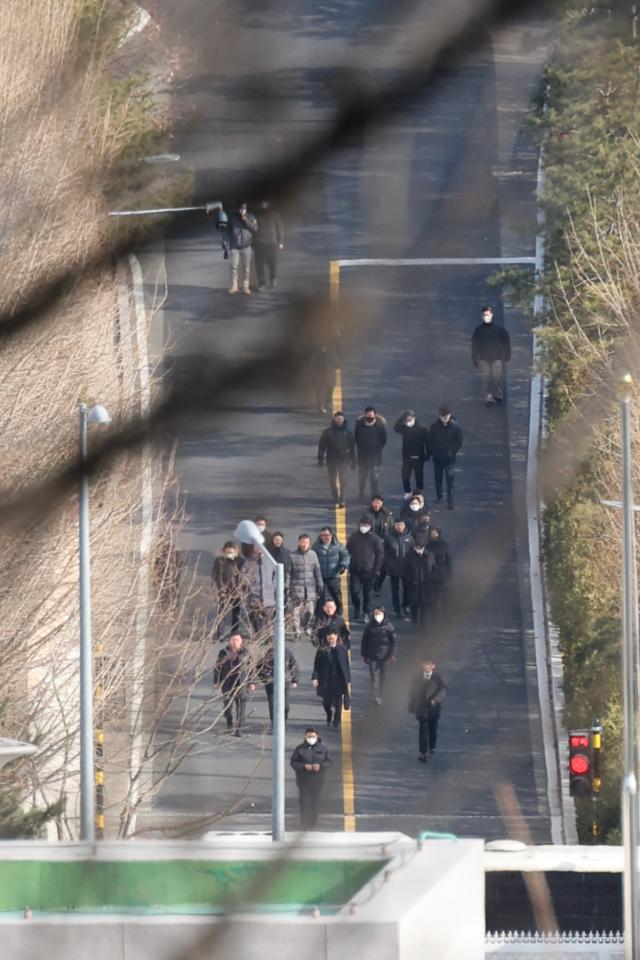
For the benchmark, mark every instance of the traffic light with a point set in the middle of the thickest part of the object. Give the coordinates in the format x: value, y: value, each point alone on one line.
x: 580, y: 763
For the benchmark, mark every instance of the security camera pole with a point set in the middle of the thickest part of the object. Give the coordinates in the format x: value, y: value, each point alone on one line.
x: 630, y: 812
x: 207, y: 207
x: 247, y: 532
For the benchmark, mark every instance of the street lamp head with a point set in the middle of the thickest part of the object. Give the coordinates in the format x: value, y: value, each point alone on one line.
x: 98, y: 414
x: 625, y: 386
x: 248, y: 532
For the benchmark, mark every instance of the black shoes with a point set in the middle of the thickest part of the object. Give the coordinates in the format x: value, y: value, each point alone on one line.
x: 422, y: 758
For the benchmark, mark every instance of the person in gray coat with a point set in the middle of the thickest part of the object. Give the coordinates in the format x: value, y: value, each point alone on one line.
x: 333, y: 557
x: 257, y: 585
x: 305, y: 585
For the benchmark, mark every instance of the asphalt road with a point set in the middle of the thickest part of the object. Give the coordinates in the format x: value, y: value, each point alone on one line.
x: 434, y: 183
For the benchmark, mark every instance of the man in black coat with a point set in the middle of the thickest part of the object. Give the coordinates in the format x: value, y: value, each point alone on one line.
x: 226, y: 583
x: 370, y: 437
x: 232, y: 673
x: 378, y: 648
x: 337, y: 448
x: 280, y: 553
x: 415, y: 449
x: 266, y: 243
x: 425, y: 702
x: 490, y: 350
x: 331, y: 677
x: 328, y: 620
x: 417, y: 571
x: 441, y: 566
x: 382, y: 523
x: 265, y: 673
x: 397, y: 546
x: 413, y: 510
x: 367, y: 555
x: 310, y: 760
x: 445, y: 440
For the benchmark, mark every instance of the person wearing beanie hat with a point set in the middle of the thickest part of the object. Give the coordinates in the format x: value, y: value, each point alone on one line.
x: 337, y: 449
x: 367, y: 555
x: 415, y: 450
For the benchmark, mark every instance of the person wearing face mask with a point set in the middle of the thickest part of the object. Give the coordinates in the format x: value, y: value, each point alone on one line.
x: 370, y: 437
x: 490, y: 350
x: 268, y: 240
x: 327, y: 621
x: 445, y: 440
x: 415, y: 450
x: 225, y: 581
x: 331, y: 678
x: 425, y: 703
x: 262, y: 524
x: 305, y: 585
x: 310, y: 760
x: 367, y: 555
x: 333, y: 558
x: 397, y: 546
x: 417, y: 570
x: 413, y: 510
x: 378, y: 648
x: 337, y: 448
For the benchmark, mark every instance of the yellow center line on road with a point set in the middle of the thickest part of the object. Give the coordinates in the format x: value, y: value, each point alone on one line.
x: 348, y: 778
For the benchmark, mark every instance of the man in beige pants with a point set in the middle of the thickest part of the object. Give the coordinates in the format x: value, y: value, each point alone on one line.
x: 237, y: 242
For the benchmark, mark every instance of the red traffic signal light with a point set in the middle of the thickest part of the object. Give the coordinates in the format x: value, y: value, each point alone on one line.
x: 580, y: 763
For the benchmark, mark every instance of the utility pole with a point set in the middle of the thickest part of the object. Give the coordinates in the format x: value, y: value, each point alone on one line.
x: 630, y: 813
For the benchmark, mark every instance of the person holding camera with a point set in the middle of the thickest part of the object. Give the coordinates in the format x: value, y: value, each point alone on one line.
x: 237, y: 243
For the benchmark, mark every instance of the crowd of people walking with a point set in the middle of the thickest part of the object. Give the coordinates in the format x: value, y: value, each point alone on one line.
x: 402, y: 546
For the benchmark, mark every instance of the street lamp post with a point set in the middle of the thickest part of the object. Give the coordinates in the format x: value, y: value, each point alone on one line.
x: 630, y: 813
x: 248, y: 532
x: 96, y: 414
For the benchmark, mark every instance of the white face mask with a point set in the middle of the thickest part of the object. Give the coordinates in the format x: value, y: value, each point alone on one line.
x: 410, y: 423
x: 427, y: 674
x: 414, y: 506
x: 378, y: 617
x: 230, y: 556
x: 420, y: 551
x: 261, y: 527
x: 364, y: 529
x: 311, y: 740
x: 487, y: 318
